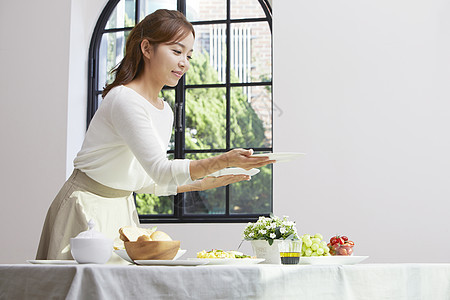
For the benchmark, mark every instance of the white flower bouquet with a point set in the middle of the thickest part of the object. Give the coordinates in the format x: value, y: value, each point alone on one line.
x: 270, y: 229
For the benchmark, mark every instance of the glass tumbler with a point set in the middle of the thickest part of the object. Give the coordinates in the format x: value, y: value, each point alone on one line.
x: 290, y: 251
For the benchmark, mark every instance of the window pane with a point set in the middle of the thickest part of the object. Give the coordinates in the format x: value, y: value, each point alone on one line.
x: 149, y: 204
x: 208, y: 64
x: 244, y: 9
x: 251, y: 117
x: 169, y: 97
x: 123, y: 15
x: 205, y: 118
x: 251, y: 52
x: 254, y: 196
x: 111, y: 52
x: 99, y: 100
x: 205, y: 202
x: 206, y: 10
x: 146, y: 7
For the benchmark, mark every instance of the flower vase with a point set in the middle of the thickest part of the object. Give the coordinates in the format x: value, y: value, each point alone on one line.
x: 270, y: 253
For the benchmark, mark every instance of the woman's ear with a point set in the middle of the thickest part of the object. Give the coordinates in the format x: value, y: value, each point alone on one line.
x: 146, y: 48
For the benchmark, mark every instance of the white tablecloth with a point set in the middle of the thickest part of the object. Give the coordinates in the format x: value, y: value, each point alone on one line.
x: 359, y: 282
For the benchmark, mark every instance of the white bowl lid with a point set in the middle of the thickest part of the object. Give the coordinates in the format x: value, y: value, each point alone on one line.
x: 91, y: 233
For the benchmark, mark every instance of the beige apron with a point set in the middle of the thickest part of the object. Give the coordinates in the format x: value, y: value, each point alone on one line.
x: 80, y: 200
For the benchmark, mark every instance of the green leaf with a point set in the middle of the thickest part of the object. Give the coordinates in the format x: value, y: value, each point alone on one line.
x: 278, y: 232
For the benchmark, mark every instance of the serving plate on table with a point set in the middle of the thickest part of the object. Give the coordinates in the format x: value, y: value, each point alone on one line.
x: 332, y: 260
x: 51, y: 262
x: 229, y: 261
x: 124, y: 255
x: 281, y: 156
x: 177, y: 262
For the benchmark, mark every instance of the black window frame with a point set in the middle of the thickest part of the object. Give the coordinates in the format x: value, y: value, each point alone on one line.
x: 179, y: 152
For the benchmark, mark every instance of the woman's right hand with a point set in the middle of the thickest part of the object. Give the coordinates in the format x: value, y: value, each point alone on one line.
x: 212, y: 182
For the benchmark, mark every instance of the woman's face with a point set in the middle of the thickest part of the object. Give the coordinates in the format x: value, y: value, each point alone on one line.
x: 168, y: 62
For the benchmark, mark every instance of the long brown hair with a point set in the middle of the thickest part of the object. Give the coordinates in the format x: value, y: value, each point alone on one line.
x: 162, y: 26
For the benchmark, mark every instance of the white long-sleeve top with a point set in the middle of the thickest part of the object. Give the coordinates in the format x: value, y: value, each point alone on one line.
x: 126, y: 143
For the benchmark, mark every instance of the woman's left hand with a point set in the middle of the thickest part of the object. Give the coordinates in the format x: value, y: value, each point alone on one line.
x: 239, y: 158
x: 242, y: 158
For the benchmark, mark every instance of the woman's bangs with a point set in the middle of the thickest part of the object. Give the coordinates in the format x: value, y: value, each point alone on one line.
x: 182, y: 33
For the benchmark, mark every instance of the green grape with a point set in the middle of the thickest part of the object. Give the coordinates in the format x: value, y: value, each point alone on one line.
x: 304, y: 247
x: 315, y: 240
x: 313, y: 245
x: 308, y: 243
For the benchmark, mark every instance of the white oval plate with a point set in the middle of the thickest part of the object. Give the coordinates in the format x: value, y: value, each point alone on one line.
x: 281, y: 156
x: 170, y: 262
x: 332, y: 260
x: 52, y: 262
x: 234, y: 171
x: 124, y: 255
x: 229, y: 261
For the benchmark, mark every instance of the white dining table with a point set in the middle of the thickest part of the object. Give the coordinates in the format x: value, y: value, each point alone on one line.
x: 261, y: 281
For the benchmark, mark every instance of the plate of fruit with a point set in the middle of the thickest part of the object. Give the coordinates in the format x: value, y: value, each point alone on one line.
x: 339, y: 250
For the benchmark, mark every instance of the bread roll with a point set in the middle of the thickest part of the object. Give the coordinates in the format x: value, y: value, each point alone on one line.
x: 131, y: 234
x: 144, y: 238
x: 123, y: 238
x: 160, y: 236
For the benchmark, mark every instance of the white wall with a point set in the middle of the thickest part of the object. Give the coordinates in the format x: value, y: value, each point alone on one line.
x: 34, y: 55
x: 358, y: 86
x: 43, y: 110
x: 363, y: 86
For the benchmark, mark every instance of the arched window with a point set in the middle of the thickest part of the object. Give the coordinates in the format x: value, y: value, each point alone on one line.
x: 223, y: 102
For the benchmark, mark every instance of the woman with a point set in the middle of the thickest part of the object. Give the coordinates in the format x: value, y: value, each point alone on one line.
x: 125, y: 146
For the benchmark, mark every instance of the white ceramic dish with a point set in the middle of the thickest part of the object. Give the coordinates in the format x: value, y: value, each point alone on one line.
x: 229, y: 261
x: 281, y: 156
x: 124, y: 255
x: 52, y: 262
x: 91, y: 250
x: 91, y: 246
x: 178, y: 262
x: 234, y: 171
x: 332, y: 260
x: 180, y: 253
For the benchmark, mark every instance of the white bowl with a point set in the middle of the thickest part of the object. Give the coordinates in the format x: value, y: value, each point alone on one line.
x: 179, y: 254
x: 124, y: 255
x: 91, y: 250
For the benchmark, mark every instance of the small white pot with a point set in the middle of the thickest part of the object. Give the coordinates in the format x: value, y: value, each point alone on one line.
x: 91, y: 250
x: 91, y: 246
x: 270, y: 253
